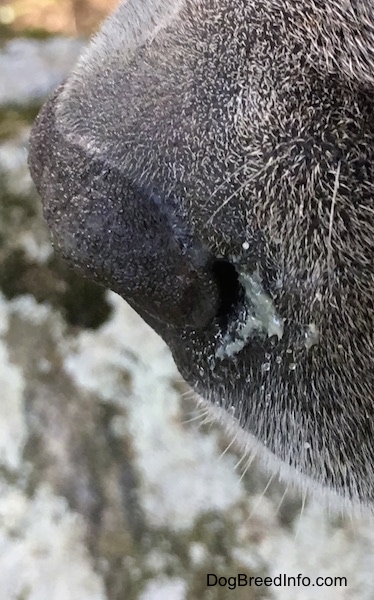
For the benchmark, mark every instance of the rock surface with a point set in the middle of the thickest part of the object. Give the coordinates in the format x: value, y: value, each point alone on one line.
x: 112, y: 484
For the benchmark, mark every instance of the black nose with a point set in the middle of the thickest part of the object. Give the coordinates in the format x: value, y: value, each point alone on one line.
x: 126, y: 236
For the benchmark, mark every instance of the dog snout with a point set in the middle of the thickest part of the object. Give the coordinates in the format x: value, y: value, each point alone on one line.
x: 125, y: 235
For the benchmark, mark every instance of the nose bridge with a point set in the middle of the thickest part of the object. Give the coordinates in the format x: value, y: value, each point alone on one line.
x: 132, y: 25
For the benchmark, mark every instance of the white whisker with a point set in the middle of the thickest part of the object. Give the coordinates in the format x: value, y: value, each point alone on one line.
x: 278, y: 507
x: 331, y: 221
x: 228, y: 446
x: 259, y: 500
x: 304, y: 494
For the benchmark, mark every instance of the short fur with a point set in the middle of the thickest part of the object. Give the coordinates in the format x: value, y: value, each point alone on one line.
x: 192, y: 127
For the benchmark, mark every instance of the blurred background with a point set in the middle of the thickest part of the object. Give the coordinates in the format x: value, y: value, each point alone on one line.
x: 42, y: 18
x: 113, y: 485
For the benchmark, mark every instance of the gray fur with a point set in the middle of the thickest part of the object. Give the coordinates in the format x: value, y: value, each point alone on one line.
x: 242, y: 130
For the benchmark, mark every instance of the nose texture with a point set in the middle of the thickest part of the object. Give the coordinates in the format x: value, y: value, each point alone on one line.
x: 126, y: 237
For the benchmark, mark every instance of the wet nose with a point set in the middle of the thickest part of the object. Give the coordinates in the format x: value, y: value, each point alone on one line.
x: 126, y: 236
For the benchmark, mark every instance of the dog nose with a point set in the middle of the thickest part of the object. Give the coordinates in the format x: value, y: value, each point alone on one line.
x: 124, y: 235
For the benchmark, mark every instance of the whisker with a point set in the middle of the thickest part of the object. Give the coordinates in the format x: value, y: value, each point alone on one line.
x: 304, y: 494
x: 277, y: 509
x: 235, y: 193
x: 228, y: 446
x: 259, y: 500
x: 188, y: 394
x: 195, y: 418
x: 251, y: 178
x: 331, y: 221
x: 207, y: 420
x: 244, y: 455
x: 247, y: 466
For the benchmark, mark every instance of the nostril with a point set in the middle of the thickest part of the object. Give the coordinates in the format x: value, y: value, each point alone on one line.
x: 231, y: 292
x: 245, y: 309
